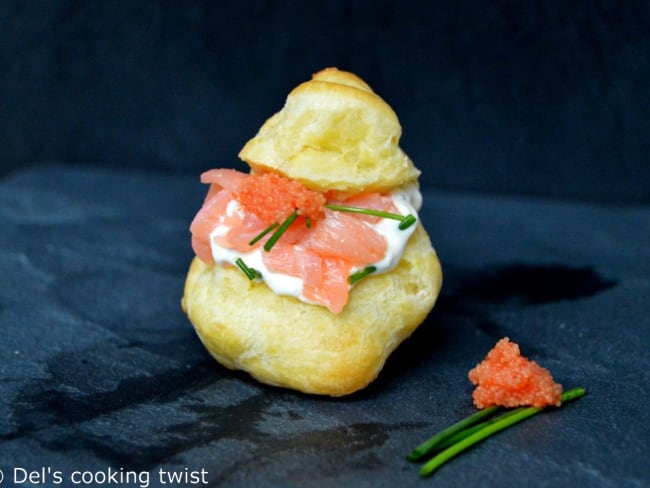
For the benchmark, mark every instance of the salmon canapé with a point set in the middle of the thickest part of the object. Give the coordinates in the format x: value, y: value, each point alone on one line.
x: 316, y: 237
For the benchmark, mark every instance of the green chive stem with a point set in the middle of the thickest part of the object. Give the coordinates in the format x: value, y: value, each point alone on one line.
x: 261, y: 235
x: 354, y: 277
x: 405, y: 220
x: 280, y: 230
x: 459, y: 436
x: 503, y: 422
x: 429, y: 445
x: 251, y: 273
x: 365, y: 211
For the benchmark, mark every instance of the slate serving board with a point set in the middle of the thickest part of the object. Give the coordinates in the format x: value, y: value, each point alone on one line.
x: 100, y: 370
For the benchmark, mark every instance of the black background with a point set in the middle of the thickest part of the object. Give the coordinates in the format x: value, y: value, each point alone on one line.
x: 541, y: 97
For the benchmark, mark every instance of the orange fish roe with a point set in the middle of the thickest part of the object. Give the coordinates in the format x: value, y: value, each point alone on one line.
x: 506, y: 378
x: 273, y: 198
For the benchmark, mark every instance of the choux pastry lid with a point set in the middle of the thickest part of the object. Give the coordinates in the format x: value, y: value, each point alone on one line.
x: 333, y: 133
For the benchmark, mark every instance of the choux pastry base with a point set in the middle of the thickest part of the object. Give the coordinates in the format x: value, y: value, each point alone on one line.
x: 282, y: 341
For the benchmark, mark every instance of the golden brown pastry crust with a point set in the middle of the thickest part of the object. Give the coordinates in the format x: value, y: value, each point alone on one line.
x: 333, y: 134
x: 282, y: 341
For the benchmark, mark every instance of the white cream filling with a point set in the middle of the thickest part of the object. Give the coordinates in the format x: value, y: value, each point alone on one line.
x: 407, y: 200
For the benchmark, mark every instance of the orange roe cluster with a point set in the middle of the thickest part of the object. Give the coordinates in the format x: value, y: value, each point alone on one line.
x: 273, y: 198
x: 506, y: 378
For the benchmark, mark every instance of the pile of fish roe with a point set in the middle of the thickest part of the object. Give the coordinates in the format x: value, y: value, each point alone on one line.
x: 506, y: 378
x: 273, y: 197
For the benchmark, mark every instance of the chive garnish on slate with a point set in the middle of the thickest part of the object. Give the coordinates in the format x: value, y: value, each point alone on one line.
x: 464, y: 434
x: 405, y: 220
x: 459, y: 436
x: 430, y: 445
x: 251, y: 273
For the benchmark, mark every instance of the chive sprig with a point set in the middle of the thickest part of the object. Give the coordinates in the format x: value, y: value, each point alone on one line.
x: 251, y: 273
x: 354, y: 277
x: 430, y: 445
x: 405, y: 220
x: 262, y: 234
x: 280, y: 230
x: 464, y: 434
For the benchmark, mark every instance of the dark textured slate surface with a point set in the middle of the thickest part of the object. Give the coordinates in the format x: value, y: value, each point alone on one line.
x: 547, y: 97
x: 99, y: 367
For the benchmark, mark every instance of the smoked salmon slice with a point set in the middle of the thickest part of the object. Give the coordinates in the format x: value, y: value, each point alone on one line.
x: 219, y: 179
x: 346, y: 236
x: 242, y: 230
x: 230, y: 179
x: 322, y: 247
x: 205, y: 221
x: 295, y: 261
x: 334, y: 290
